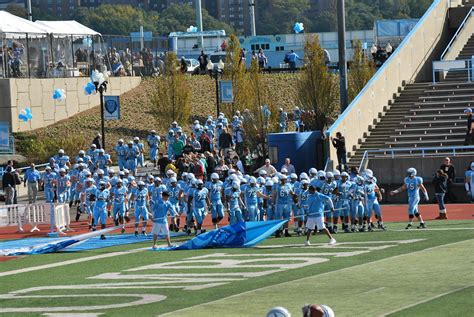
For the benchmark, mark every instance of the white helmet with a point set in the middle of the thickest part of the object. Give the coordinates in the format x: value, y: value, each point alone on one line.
x: 304, y: 181
x: 231, y: 171
x: 344, y: 174
x: 329, y: 175
x: 261, y: 180
x: 157, y: 179
x: 321, y: 174
x: 336, y: 173
x: 173, y: 180
x: 199, y: 182
x: 411, y: 172
x: 136, y: 139
x: 262, y: 173
x: 62, y: 170
x: 214, y: 176
x: 312, y: 171
x: 283, y: 177
x: 184, y: 176
x: 368, y: 173
x: 236, y: 185
x: 284, y: 171
x: 269, y: 183
x: 100, y: 172
x: 141, y: 183
x: 278, y: 312
x: 472, y: 166
x: 275, y: 180
x: 252, y: 180
x: 61, y: 151
x: 304, y: 176
x: 359, y: 180
x: 293, y: 176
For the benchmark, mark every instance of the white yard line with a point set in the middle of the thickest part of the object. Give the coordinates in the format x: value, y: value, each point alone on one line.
x: 75, y: 261
x: 322, y: 274
x: 374, y: 290
x: 431, y: 229
x: 425, y: 300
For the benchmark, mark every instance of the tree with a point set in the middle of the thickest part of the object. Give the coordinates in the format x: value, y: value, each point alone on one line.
x: 279, y: 16
x: 172, y: 95
x: 317, y: 88
x: 117, y: 19
x: 361, y: 71
x: 177, y: 18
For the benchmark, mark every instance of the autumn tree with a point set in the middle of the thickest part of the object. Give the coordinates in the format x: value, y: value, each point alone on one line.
x: 172, y: 95
x: 317, y: 87
x: 361, y: 70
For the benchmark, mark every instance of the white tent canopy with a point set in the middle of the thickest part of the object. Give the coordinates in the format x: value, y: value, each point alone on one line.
x: 10, y: 23
x: 66, y: 28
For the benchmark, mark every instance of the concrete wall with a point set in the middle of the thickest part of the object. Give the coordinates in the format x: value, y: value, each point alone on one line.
x: 461, y: 39
x: 18, y: 94
x: 403, y: 67
x: 425, y: 167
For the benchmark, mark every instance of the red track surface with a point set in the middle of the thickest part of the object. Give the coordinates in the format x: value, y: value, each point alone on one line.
x: 391, y: 213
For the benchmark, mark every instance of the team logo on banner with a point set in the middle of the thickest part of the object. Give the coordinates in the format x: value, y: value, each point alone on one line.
x: 111, y: 107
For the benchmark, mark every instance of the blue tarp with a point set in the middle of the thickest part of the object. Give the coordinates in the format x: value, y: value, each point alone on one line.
x: 239, y: 235
x: 86, y: 241
x: 394, y: 28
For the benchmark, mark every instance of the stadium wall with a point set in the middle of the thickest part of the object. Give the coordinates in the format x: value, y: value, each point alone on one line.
x: 411, y: 61
x: 20, y: 93
x: 461, y: 39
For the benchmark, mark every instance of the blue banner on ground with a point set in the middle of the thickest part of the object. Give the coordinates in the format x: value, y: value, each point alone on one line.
x: 239, y: 235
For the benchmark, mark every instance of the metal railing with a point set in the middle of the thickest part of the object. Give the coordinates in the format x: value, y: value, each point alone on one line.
x: 464, y: 65
x: 446, y: 50
x: 416, y: 152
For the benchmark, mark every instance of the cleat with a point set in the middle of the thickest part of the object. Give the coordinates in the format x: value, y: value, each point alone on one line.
x: 382, y: 227
x: 136, y: 233
x: 332, y: 241
x: 188, y: 232
x: 287, y: 234
x: 306, y: 243
x: 353, y: 229
x: 334, y: 229
x: 331, y: 230
x: 203, y: 231
x: 144, y: 233
x: 408, y: 226
x: 372, y: 225
x: 370, y: 229
x: 278, y: 234
x: 102, y: 237
x: 362, y: 229
x: 122, y: 231
x: 421, y: 226
x: 347, y: 230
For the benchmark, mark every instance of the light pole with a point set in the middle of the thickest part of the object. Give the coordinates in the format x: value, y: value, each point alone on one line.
x: 341, y: 35
x: 100, y: 81
x: 214, y: 71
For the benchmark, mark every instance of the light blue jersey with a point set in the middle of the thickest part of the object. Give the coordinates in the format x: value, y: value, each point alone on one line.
x: 316, y: 204
x: 413, y: 186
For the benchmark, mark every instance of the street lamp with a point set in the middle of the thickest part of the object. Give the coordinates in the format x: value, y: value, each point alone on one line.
x: 214, y: 71
x: 100, y: 81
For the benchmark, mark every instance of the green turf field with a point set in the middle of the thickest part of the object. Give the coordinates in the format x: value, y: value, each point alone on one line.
x: 395, y: 273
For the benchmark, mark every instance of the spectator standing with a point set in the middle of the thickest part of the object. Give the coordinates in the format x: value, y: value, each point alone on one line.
x: 373, y: 51
x: 203, y: 58
x: 177, y: 146
x: 239, y: 139
x: 448, y: 169
x: 288, y: 166
x: 97, y: 141
x: 262, y: 59
x: 292, y: 58
x: 32, y: 178
x: 162, y: 162
x: 270, y: 169
x: 10, y: 180
x: 440, y: 182
x: 470, y: 127
x: 225, y: 142
x: 388, y: 49
x: 339, y: 142
x: 222, y: 169
x: 247, y: 161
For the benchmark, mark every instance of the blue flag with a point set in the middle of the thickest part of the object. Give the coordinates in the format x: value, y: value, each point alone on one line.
x: 239, y: 235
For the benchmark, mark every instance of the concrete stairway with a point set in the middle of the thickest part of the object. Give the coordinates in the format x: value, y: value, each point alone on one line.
x: 466, y: 54
x: 423, y: 115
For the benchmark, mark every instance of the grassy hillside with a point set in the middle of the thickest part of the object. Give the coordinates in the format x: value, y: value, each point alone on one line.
x: 137, y: 117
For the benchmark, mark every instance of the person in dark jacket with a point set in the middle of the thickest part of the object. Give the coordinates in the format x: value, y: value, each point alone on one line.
x: 470, y: 127
x: 339, y: 142
x: 98, y: 141
x: 225, y: 142
x: 448, y: 169
x: 10, y: 180
x: 440, y: 182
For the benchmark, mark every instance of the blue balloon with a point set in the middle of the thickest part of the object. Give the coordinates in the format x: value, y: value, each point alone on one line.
x: 89, y: 89
x: 59, y: 94
x: 298, y: 27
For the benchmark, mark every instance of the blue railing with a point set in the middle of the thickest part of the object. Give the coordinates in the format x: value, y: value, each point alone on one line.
x: 468, y: 15
x: 417, y: 152
x: 457, y: 66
